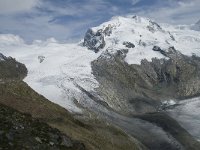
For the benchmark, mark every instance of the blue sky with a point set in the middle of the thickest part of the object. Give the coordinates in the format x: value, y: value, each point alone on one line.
x: 67, y: 20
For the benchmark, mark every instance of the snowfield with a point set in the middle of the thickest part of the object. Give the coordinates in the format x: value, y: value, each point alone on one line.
x: 54, y: 69
x: 62, y: 66
x: 144, y: 34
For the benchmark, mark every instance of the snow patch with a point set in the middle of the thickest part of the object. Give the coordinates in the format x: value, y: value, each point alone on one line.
x: 168, y: 103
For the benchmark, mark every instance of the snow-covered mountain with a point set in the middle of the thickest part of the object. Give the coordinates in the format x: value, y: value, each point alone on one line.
x: 63, y: 66
x: 128, y: 65
x: 144, y: 34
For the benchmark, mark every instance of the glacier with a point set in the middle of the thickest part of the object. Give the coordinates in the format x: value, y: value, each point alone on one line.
x: 67, y: 64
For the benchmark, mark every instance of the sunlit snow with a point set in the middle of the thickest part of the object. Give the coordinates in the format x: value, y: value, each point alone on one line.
x: 65, y: 65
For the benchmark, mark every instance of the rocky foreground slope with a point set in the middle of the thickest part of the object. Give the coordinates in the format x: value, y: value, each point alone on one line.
x: 20, y: 131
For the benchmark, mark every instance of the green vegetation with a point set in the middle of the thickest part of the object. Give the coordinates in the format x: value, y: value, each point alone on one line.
x: 21, y: 131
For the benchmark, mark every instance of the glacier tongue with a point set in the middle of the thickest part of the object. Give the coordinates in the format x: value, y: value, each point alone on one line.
x: 187, y: 113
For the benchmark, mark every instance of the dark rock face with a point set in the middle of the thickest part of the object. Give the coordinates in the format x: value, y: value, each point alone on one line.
x: 141, y: 88
x: 153, y: 27
x: 94, y: 41
x: 41, y: 58
x: 119, y: 84
x: 141, y: 43
x: 157, y: 48
x: 170, y: 52
x: 108, y: 30
x: 180, y: 72
x: 11, y: 69
x: 129, y: 44
x: 2, y: 57
x: 172, y: 37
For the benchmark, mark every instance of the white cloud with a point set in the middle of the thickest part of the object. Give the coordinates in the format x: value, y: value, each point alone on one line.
x: 181, y: 12
x: 13, y: 6
x: 40, y: 24
x: 40, y: 19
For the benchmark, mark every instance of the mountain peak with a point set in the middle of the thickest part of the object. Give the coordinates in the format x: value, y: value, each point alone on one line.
x: 141, y: 32
x: 118, y: 21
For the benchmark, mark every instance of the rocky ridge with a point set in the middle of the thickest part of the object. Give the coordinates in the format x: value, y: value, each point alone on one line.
x: 144, y: 87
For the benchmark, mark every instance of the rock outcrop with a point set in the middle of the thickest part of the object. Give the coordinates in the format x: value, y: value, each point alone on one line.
x: 142, y: 88
x: 129, y: 44
x: 11, y: 69
x: 94, y: 40
x: 153, y: 27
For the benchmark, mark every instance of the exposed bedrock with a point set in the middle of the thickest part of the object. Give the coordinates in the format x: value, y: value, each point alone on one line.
x: 94, y: 40
x: 133, y: 89
x: 10, y: 69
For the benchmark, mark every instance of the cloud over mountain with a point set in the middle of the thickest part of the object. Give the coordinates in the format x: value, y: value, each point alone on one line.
x: 69, y: 19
